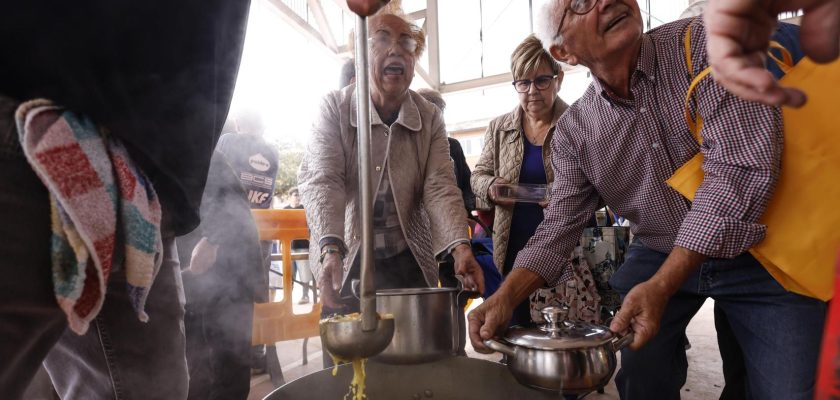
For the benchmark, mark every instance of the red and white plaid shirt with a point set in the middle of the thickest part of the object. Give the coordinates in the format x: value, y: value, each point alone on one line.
x: 619, y: 152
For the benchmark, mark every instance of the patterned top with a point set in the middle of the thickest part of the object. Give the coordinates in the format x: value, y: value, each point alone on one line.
x: 388, y: 238
x: 619, y: 152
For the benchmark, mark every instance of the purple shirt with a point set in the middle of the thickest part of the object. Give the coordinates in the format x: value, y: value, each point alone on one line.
x: 619, y: 152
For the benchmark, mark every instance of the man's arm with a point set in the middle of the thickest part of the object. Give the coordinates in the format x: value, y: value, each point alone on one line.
x: 544, y: 261
x: 742, y: 145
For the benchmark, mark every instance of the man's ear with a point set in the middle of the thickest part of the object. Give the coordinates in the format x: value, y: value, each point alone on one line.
x: 561, y: 53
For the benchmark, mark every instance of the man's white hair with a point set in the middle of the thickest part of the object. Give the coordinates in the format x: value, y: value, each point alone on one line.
x: 545, y: 24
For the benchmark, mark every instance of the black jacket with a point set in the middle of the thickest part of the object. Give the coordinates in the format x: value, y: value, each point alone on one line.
x: 157, y: 74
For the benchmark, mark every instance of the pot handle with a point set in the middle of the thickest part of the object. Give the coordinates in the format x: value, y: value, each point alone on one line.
x: 621, y: 342
x: 498, y: 346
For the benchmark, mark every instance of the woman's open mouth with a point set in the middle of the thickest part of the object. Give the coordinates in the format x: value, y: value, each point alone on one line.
x: 394, y: 69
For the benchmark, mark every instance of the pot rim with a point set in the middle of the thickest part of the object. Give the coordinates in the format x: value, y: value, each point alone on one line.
x: 415, y: 291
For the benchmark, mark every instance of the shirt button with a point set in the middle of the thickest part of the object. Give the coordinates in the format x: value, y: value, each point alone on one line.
x: 655, y: 145
x: 378, y: 168
x: 642, y: 110
x: 387, y: 133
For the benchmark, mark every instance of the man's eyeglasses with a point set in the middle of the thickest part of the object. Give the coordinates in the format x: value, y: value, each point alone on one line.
x: 383, y: 41
x: 579, y: 7
x: 542, y: 82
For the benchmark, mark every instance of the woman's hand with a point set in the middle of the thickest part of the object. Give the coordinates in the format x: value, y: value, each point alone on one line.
x: 493, y: 193
x: 468, y: 267
x: 329, y: 281
x: 203, y: 256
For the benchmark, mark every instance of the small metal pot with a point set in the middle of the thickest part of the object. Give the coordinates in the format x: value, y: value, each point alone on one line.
x: 426, y: 324
x: 561, y: 356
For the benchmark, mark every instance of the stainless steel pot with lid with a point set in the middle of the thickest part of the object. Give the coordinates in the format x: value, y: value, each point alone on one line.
x: 562, y: 356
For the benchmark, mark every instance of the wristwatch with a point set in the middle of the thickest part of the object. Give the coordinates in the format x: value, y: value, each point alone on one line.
x: 329, y: 250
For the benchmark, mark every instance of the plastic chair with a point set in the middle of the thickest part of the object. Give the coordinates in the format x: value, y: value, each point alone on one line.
x: 276, y: 321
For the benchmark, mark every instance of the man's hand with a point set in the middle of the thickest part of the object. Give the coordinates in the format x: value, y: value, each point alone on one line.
x: 203, y: 256
x: 738, y: 37
x: 489, y: 320
x: 491, y: 317
x: 366, y: 8
x: 329, y: 281
x: 641, y: 310
x: 493, y: 193
x: 644, y: 305
x: 468, y: 267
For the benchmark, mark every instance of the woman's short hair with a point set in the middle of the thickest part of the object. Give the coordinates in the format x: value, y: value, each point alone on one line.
x: 414, y: 30
x: 530, y: 56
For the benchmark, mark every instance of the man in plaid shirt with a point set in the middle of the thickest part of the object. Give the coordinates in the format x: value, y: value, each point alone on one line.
x: 618, y: 145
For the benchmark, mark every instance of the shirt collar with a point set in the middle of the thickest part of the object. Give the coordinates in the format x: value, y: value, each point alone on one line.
x: 409, y: 115
x: 645, y: 69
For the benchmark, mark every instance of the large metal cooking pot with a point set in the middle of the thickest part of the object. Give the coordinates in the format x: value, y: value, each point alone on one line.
x: 562, y: 356
x: 458, y: 378
x: 425, y: 324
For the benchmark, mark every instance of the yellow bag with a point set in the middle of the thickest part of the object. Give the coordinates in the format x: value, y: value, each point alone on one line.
x: 803, y: 217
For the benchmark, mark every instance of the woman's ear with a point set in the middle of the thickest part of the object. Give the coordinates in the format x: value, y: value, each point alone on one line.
x: 560, y: 75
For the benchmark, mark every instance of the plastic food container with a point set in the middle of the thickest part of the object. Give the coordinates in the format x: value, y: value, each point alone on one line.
x: 521, y: 192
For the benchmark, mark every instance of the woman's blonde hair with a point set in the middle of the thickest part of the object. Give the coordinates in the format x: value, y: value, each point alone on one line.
x: 416, y: 32
x: 529, y: 56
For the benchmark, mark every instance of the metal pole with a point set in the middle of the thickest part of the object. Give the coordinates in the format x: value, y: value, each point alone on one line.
x: 368, y: 292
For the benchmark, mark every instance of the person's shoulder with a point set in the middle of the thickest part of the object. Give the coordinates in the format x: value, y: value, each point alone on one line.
x: 675, y: 29
x: 504, y: 121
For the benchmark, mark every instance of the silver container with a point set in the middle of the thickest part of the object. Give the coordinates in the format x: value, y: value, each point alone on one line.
x: 561, y: 356
x: 425, y: 324
x: 452, y: 378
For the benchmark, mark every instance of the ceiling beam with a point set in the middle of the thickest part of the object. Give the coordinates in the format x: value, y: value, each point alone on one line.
x: 421, y: 72
x: 476, y: 83
x: 432, y: 37
x: 290, y: 17
x: 417, y: 15
x: 323, y: 24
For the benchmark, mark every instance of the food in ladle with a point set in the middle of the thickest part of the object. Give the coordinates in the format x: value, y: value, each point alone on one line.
x: 357, y: 385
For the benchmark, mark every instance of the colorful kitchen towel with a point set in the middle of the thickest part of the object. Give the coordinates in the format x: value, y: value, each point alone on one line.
x: 98, y: 198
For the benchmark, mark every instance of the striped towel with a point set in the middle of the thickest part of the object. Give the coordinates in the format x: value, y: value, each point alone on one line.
x: 97, y: 195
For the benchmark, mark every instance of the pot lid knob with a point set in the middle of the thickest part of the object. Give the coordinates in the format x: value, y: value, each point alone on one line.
x: 554, y: 318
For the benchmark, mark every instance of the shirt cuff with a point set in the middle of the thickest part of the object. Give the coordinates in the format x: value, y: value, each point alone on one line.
x: 717, y: 236
x: 552, y: 267
x: 445, y: 255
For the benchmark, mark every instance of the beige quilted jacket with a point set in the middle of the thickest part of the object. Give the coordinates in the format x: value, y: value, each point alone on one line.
x: 429, y: 204
x: 502, y: 157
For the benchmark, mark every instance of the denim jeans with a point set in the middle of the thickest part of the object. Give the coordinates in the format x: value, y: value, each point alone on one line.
x: 119, y: 357
x: 779, y: 331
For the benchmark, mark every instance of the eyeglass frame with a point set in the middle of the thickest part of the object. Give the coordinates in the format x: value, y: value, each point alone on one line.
x: 534, y: 83
x: 400, y: 38
x: 569, y: 8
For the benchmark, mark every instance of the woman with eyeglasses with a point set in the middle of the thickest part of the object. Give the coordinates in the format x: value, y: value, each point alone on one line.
x: 418, y: 215
x: 517, y: 151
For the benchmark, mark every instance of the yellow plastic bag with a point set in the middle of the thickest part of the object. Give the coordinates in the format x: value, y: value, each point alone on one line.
x: 803, y: 216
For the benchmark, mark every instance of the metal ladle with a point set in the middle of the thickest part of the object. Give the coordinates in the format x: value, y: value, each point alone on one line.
x: 356, y: 338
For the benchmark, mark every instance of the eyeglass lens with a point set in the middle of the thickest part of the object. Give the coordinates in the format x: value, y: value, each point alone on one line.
x: 384, y: 41
x: 542, y: 82
x: 582, y: 6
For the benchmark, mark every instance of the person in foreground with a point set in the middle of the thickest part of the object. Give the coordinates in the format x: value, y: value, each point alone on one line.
x: 620, y: 142
x: 418, y: 215
x: 739, y: 33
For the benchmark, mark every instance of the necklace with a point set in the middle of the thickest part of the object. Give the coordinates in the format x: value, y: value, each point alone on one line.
x: 537, y: 139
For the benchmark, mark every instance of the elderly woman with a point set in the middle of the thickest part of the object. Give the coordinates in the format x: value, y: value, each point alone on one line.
x: 418, y: 215
x: 517, y: 150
